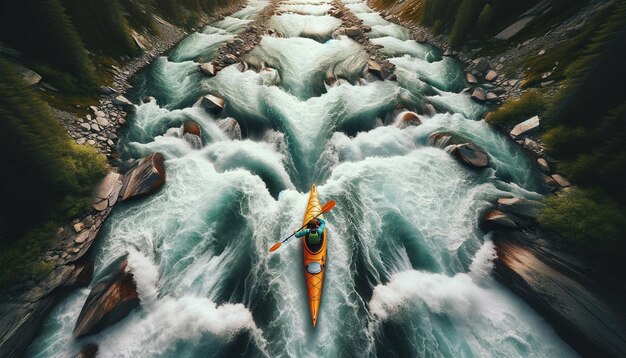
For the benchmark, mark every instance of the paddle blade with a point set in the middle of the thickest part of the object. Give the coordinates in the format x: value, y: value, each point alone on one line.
x: 276, y: 246
x: 328, y: 206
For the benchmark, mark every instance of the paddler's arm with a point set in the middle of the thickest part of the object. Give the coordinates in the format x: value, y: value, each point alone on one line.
x: 302, y: 233
x: 322, y: 225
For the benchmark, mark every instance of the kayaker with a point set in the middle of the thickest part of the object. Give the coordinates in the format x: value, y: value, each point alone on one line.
x: 313, y: 232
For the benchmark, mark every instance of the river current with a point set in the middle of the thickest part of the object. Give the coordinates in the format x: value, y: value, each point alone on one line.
x: 409, y: 272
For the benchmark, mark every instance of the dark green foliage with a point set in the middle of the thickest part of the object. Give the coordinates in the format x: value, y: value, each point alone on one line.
x: 464, y: 21
x: 42, y: 30
x: 529, y: 104
x: 44, y: 174
x: 140, y: 14
x: 591, y: 221
x: 485, y: 18
x: 101, y: 25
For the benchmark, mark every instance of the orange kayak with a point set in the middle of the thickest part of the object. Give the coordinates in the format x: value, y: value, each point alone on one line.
x: 314, y: 258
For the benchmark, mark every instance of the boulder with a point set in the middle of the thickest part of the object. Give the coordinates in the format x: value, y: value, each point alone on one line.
x: 29, y: 76
x: 580, y: 302
x: 208, y: 69
x: 515, y: 28
x: 270, y: 76
x: 145, y: 178
x: 375, y: 69
x: 230, y: 58
x: 491, y: 75
x: 212, y: 103
x: 192, y: 127
x: 550, y: 182
x: 543, y: 165
x: 441, y: 140
x: 471, y: 79
x: 479, y: 94
x: 496, y: 219
x: 561, y: 181
x: 106, y: 192
x: 482, y: 65
x: 533, y: 146
x: 469, y: 154
x: 491, y: 97
x: 521, y: 207
x: 230, y: 127
x: 110, y: 300
x: 525, y: 127
x: 192, y: 134
x: 354, y: 31
x: 103, y: 122
x: 123, y: 102
x: 409, y: 118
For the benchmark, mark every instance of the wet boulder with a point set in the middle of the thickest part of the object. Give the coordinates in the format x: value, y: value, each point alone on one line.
x: 375, y: 68
x: 145, y: 178
x: 409, y: 118
x: 212, y: 104
x: 208, y: 69
x: 469, y: 154
x: 479, y: 94
x: 491, y: 75
x: 109, y: 301
x: 192, y: 134
x: 471, y: 79
x: 521, y: 207
x: 88, y: 351
x: 543, y: 165
x: 440, y: 140
x: 496, y: 219
x: 354, y: 31
x: 482, y: 65
x: 230, y: 127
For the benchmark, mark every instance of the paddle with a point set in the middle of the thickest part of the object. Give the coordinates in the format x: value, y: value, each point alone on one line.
x: 326, y: 208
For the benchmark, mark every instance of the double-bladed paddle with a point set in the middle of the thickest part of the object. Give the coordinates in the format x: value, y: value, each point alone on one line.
x: 326, y: 208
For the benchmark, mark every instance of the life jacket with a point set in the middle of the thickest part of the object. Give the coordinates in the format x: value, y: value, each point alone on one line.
x: 314, y: 237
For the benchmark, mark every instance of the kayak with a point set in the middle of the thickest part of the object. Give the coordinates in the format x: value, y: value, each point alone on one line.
x: 314, y: 258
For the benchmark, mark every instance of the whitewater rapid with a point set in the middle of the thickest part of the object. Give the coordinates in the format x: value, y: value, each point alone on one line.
x: 408, y: 272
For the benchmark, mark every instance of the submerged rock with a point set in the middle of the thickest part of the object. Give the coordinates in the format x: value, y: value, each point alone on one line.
x: 495, y: 219
x: 208, y: 69
x: 522, y: 207
x: 270, y: 76
x: 192, y: 134
x: 110, y: 300
x: 230, y: 127
x: 145, y: 178
x: 409, y: 118
x: 479, y: 94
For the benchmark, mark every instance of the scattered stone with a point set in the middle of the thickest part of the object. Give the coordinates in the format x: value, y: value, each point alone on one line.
x: 124, y: 103
x: 82, y: 237
x: 99, y: 113
x: 533, y: 146
x: 107, y: 90
x: 525, y: 127
x: 479, y: 94
x: 86, y: 126
x: 561, y: 180
x: 102, y: 121
x: 469, y: 154
x: 471, y: 79
x: 492, y: 97
x: 491, y: 75
x: 208, y: 69
x: 543, y: 165
x: 354, y: 31
x: 482, y: 65
x: 78, y: 227
x: 81, y: 141
x: 541, y: 53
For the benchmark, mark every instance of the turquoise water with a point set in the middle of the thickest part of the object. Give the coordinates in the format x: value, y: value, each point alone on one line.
x: 409, y: 272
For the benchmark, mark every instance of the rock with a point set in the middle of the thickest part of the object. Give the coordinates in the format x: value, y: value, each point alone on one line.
x: 440, y: 140
x: 230, y: 127
x: 374, y: 68
x: 471, y: 79
x: 482, y: 65
x: 543, y: 165
x: 491, y: 97
x: 147, y: 99
x: 522, y: 207
x: 230, y: 58
x: 550, y: 182
x: 102, y: 121
x: 88, y: 351
x: 107, y: 191
x: 533, y: 147
x: 192, y: 127
x: 469, y: 154
x: 409, y: 118
x: 570, y: 295
x: 95, y: 128
x: 124, y: 103
x: 561, y: 181
x: 514, y: 29
x: 479, y: 94
x: 85, y: 126
x: 81, y: 141
x: 82, y: 237
x: 270, y: 76
x: 491, y: 75
x: 497, y: 219
x: 208, y: 69
x: 499, y: 67
x: 212, y: 103
x: 99, y: 113
x: 147, y: 177
x: 354, y: 31
x: 107, y: 90
x: 525, y: 127
x: 110, y: 300
x: 29, y: 76
x: 78, y: 227
x: 541, y: 53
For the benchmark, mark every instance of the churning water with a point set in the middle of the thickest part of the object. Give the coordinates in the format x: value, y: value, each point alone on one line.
x: 408, y: 273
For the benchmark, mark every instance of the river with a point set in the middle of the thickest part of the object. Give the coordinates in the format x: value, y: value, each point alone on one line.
x: 408, y: 272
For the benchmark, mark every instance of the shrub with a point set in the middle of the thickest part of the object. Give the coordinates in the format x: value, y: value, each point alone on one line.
x: 588, y: 219
x: 529, y: 104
